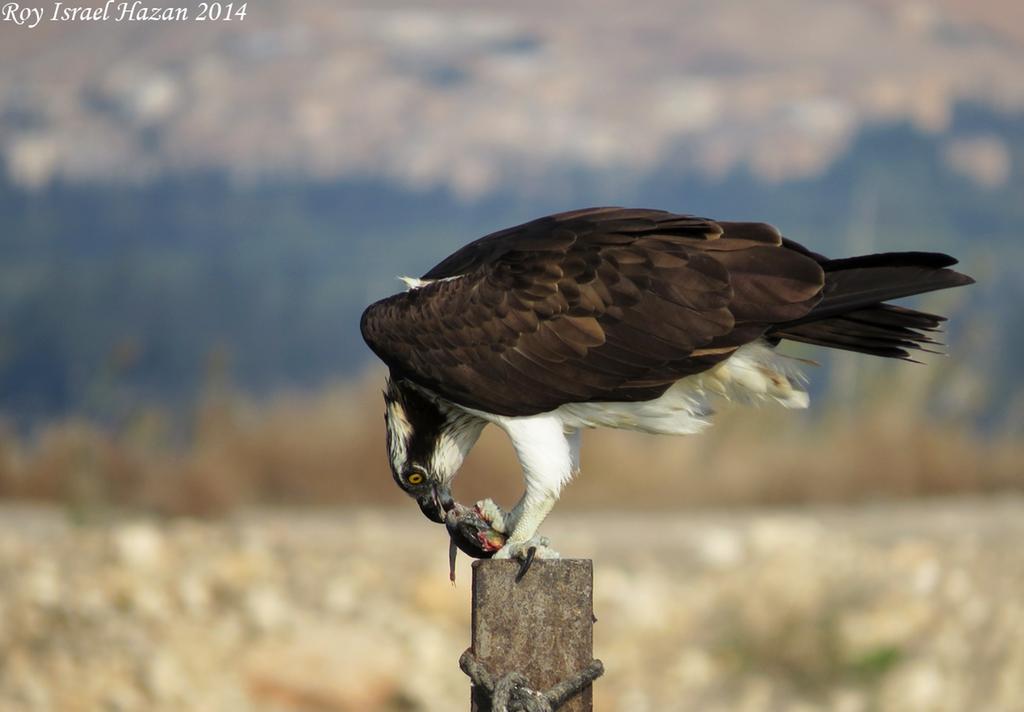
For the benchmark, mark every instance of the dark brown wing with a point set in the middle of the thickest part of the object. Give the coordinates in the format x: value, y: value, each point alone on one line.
x: 601, y: 304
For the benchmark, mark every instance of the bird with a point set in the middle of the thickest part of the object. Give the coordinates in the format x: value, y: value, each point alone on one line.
x: 616, y: 317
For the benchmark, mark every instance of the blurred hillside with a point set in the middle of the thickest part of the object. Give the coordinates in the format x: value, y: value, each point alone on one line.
x: 477, y: 98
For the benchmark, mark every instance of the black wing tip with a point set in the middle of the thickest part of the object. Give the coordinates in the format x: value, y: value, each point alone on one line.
x: 932, y: 260
x: 940, y: 259
x: 959, y: 279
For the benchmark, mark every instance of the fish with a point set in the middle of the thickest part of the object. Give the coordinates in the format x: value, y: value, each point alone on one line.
x: 470, y: 532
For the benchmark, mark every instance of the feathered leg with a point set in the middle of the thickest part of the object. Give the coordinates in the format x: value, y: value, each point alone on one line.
x: 549, y: 458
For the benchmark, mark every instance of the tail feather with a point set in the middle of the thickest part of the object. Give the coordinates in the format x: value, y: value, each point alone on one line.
x: 852, y: 314
x: 892, y: 315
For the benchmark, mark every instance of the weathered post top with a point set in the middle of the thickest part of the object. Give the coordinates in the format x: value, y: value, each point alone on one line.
x: 541, y: 626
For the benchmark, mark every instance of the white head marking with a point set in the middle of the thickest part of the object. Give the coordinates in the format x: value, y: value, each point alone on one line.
x: 399, y: 431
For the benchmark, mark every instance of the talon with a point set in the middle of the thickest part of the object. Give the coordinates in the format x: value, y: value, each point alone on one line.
x: 527, y: 562
x: 526, y: 552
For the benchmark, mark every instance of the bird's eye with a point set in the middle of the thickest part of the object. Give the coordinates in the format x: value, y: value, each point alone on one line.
x: 415, y: 478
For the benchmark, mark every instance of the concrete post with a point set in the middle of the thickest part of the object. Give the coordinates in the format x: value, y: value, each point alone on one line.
x: 541, y: 627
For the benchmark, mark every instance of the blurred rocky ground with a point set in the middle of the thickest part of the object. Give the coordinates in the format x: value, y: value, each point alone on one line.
x: 896, y: 607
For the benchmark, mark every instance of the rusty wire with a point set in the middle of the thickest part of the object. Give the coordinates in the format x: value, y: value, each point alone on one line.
x: 511, y: 693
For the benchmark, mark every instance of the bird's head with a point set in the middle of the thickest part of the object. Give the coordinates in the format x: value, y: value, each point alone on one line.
x: 427, y: 443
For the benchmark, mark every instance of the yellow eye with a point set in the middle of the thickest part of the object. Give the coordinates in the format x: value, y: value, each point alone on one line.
x: 415, y: 478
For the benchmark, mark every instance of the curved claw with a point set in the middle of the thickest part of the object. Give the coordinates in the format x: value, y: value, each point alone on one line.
x: 526, y: 553
x: 527, y: 562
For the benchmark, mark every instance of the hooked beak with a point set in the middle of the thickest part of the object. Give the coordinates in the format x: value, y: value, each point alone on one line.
x: 436, y: 504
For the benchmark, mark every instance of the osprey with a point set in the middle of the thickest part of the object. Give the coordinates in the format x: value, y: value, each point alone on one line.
x: 614, y: 317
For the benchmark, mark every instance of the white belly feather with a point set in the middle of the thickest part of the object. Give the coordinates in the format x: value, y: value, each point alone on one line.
x: 754, y: 373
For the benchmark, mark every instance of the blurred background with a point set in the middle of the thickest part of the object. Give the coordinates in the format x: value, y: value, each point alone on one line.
x: 196, y: 510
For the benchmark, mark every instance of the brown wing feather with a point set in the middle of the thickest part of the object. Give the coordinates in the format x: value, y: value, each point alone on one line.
x: 601, y: 304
